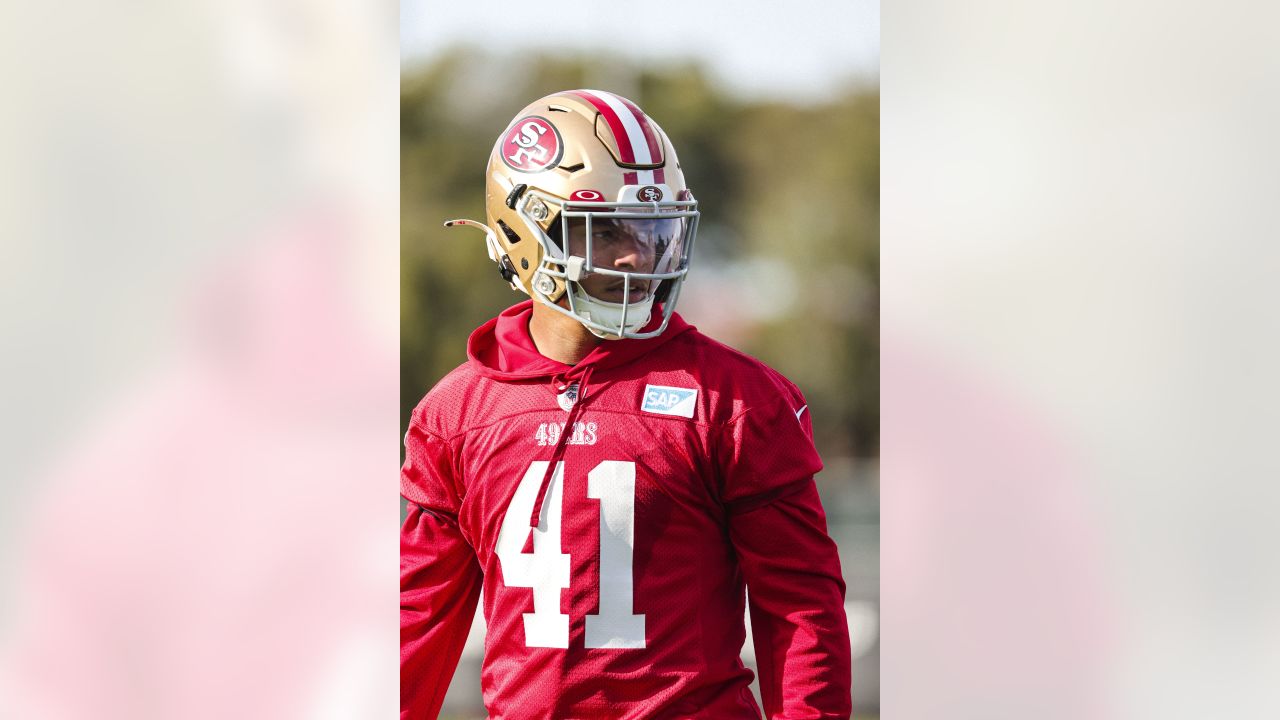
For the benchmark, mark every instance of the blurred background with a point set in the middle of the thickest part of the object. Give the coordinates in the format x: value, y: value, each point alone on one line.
x: 198, y: 383
x: 781, y: 149
x: 1078, y: 400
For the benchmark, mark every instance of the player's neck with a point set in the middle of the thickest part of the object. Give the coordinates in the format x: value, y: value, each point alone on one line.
x: 560, y: 337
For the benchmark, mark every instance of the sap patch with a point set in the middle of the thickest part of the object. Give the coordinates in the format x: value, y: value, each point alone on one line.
x: 663, y: 400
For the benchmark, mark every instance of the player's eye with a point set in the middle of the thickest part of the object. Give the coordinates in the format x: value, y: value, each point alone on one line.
x: 606, y: 235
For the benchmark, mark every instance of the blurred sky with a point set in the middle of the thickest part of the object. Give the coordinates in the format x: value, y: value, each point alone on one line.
x: 802, y: 54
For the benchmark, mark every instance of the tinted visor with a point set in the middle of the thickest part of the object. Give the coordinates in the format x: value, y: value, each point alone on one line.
x: 644, y: 245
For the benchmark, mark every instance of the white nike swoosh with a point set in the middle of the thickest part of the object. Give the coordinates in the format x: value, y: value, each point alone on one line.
x: 801, y: 410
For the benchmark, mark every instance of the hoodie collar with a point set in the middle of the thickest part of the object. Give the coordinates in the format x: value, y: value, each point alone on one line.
x: 502, y: 348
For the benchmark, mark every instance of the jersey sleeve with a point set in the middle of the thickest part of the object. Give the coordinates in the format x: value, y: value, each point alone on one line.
x: 428, y: 478
x: 766, y: 452
x: 440, y: 578
x: 796, y: 595
x: 790, y: 564
x: 440, y: 582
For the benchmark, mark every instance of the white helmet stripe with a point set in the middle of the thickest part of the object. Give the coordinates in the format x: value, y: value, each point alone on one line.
x: 638, y: 144
x: 650, y: 133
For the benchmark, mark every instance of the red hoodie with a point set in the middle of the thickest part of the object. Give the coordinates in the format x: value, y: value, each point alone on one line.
x: 663, y: 477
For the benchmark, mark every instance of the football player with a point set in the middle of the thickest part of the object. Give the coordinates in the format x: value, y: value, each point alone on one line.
x: 612, y: 479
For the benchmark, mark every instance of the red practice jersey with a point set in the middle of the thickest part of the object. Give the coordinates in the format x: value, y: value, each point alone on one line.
x: 683, y: 474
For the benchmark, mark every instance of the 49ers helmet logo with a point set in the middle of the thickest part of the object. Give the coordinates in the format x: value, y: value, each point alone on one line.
x: 532, y: 145
x: 649, y: 193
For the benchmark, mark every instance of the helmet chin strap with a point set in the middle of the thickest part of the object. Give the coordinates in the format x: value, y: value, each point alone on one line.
x: 611, y: 314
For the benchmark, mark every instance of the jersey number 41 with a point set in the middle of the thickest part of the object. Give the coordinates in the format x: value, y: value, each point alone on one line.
x: 546, y: 569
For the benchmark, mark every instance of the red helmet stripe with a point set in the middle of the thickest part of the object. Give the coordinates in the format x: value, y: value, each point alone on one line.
x: 614, y: 121
x: 650, y: 137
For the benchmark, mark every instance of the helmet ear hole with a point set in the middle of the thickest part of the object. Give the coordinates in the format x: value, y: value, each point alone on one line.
x: 512, y: 237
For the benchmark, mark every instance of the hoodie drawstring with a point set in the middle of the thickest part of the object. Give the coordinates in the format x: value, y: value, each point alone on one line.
x: 558, y: 454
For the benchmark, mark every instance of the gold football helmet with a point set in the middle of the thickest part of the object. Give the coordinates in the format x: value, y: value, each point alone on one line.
x: 582, y: 183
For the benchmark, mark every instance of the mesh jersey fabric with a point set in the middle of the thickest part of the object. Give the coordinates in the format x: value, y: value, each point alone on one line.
x: 720, y: 497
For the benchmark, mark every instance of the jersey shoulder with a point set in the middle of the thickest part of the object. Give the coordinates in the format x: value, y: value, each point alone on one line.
x: 733, y: 380
x: 442, y: 411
